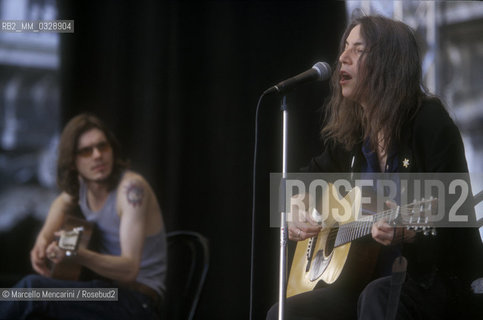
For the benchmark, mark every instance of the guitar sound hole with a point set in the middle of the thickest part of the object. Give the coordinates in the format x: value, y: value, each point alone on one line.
x: 329, y: 244
x: 318, y: 267
x: 322, y: 257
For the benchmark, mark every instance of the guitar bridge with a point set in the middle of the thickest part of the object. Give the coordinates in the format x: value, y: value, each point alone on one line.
x: 69, y: 240
x: 310, y: 252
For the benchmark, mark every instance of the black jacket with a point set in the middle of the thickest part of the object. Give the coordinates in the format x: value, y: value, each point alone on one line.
x: 431, y: 143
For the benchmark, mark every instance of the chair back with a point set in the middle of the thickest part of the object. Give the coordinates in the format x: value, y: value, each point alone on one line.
x: 188, y: 261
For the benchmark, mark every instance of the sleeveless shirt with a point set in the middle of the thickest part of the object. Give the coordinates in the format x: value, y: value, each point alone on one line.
x: 152, y: 270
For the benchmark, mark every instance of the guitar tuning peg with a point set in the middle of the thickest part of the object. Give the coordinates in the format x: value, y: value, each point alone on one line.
x: 426, y: 232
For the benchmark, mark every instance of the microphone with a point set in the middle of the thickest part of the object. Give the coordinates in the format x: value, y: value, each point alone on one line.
x: 320, y: 71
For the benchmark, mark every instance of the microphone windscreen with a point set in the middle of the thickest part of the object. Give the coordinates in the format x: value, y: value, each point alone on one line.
x: 323, y: 69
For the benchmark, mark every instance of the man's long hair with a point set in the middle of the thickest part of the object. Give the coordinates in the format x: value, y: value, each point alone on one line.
x: 390, y: 86
x: 67, y: 174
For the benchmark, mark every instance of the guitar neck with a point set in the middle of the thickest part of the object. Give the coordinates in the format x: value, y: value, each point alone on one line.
x: 357, y: 229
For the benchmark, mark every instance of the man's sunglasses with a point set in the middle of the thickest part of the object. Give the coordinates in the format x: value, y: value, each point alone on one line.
x: 88, y: 151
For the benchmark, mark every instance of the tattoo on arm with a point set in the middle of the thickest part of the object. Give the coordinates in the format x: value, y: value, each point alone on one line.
x: 135, y: 194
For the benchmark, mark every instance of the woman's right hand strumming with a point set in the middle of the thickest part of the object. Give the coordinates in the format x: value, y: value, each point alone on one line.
x: 301, y: 225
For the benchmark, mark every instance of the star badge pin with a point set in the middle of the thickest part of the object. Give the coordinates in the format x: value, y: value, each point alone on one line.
x: 406, y: 162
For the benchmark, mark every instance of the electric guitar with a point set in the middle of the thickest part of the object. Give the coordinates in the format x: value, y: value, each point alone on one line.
x: 332, y: 254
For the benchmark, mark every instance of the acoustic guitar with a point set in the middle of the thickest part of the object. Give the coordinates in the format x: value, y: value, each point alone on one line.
x: 78, y: 234
x: 334, y: 253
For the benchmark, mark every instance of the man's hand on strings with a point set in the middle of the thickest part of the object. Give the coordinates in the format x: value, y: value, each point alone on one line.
x: 54, y: 252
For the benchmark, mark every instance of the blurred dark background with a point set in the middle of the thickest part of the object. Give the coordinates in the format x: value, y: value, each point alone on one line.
x: 178, y: 83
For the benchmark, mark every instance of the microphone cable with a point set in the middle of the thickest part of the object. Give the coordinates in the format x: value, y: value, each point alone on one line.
x: 254, y: 178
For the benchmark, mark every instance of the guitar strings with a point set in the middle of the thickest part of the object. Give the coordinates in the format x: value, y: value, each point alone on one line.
x: 356, y: 229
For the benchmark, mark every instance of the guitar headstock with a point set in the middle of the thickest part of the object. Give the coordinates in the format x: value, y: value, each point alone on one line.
x: 419, y: 216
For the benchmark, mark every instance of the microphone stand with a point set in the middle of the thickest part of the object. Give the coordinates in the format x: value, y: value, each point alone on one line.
x: 283, y: 218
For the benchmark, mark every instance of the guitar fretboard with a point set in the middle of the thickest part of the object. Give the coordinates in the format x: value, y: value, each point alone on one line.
x: 357, y: 229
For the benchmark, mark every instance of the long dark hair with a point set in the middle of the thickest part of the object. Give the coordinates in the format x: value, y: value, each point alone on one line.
x: 392, y: 88
x: 67, y: 174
